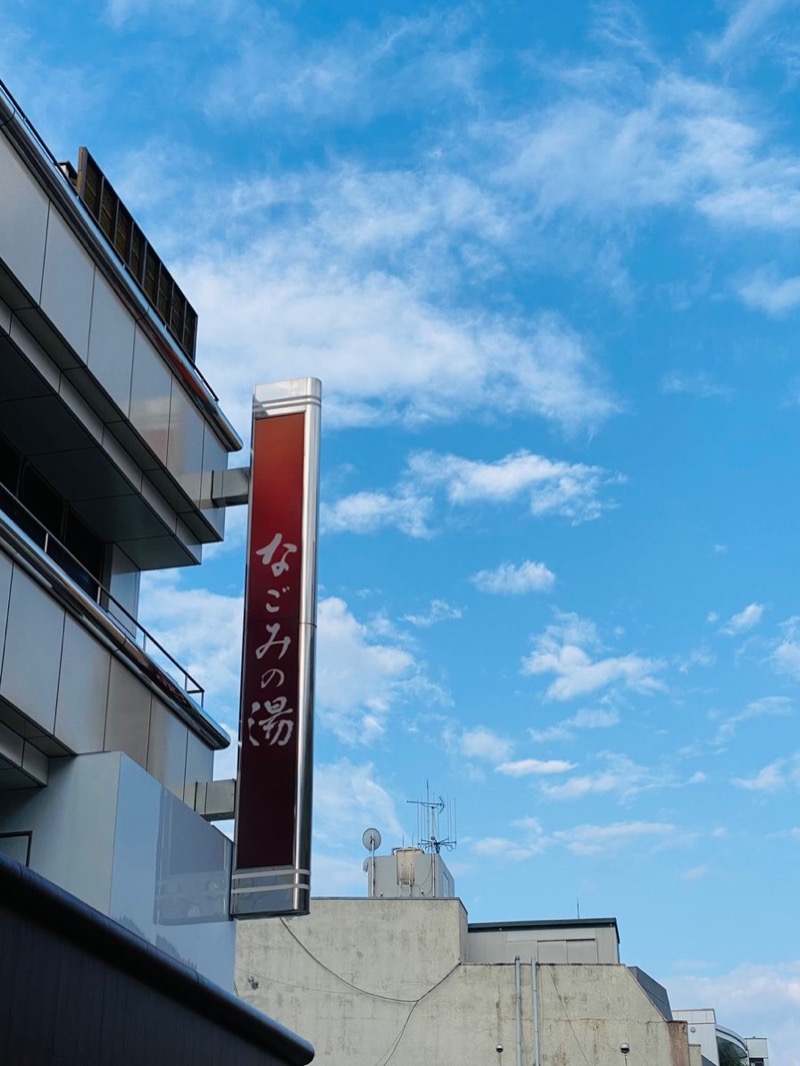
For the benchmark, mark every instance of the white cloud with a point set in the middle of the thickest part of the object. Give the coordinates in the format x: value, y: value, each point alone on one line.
x: 701, y: 656
x: 786, y: 653
x: 570, y: 490
x: 757, y: 998
x: 767, y: 706
x: 694, y: 873
x: 697, y: 384
x: 743, y: 621
x: 608, y: 840
x: 370, y: 512
x: 774, y: 777
x: 566, y: 728
x: 386, y: 353
x: 508, y: 579
x: 561, y: 650
x: 585, y: 840
x: 621, y: 777
x: 438, y: 611
x: 552, y: 487
x: 765, y: 291
x: 359, y: 679
x: 352, y: 77
x: 203, y: 631
x: 625, y: 137
x: 347, y: 799
x: 120, y: 12
x: 527, y: 767
x: 482, y: 743
x: 501, y: 847
x: 746, y: 23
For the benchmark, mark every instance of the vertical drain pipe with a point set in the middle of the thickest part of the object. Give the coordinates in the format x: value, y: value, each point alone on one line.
x: 518, y: 997
x: 537, y: 1045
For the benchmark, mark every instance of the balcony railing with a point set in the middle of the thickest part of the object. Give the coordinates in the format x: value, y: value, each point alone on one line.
x: 36, y: 533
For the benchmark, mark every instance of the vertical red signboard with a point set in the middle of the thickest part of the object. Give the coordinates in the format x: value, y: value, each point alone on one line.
x: 273, y: 812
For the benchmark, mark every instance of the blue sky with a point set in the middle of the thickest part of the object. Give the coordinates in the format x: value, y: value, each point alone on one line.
x: 545, y: 264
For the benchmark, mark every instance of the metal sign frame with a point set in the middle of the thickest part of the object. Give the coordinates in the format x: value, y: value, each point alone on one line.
x: 273, y: 806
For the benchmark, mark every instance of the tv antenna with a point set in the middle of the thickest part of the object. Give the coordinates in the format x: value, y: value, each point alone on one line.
x: 429, y: 811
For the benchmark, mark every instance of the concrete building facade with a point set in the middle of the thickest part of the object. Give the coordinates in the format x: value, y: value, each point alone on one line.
x: 402, y: 976
x: 113, y: 461
x: 721, y: 1046
x: 408, y: 980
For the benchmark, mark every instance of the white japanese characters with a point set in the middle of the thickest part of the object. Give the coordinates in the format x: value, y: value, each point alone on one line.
x: 271, y: 720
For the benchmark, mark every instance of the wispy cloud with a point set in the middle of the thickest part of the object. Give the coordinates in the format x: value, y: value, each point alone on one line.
x: 568, y: 727
x: 386, y: 352
x: 364, y: 670
x: 766, y: 994
x: 766, y: 291
x: 511, y: 850
x: 766, y: 707
x: 697, y: 384
x: 203, y: 631
x: 694, y: 873
x: 510, y: 580
x: 571, y: 490
x: 785, y: 656
x: 432, y: 479
x: 438, y: 611
x: 747, y: 22
x: 563, y: 650
x: 627, y: 136
x: 347, y: 793
x: 371, y: 512
x: 534, y: 767
x: 479, y: 743
x: 744, y: 621
x: 620, y: 776
x: 586, y: 840
x: 594, y: 840
x: 774, y: 777
x: 701, y: 656
x: 353, y: 77
x: 361, y: 678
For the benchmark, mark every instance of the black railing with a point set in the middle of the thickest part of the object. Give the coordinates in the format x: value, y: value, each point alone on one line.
x: 38, y: 534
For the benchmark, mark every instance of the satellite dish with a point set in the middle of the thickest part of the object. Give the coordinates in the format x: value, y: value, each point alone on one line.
x: 371, y: 839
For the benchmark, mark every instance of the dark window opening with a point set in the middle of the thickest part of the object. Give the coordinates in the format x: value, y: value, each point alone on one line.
x: 42, y: 501
x: 10, y: 466
x: 34, y: 505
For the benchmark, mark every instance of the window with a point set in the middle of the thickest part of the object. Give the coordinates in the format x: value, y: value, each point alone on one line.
x: 43, y: 511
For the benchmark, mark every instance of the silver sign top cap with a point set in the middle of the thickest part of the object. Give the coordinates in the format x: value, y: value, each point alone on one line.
x: 294, y: 392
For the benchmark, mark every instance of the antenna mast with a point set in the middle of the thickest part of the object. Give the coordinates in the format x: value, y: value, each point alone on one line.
x: 428, y: 813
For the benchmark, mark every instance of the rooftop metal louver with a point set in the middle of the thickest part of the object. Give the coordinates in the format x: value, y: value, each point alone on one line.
x: 133, y: 248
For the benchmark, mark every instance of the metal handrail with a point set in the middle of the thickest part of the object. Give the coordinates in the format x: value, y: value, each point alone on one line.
x: 142, y: 637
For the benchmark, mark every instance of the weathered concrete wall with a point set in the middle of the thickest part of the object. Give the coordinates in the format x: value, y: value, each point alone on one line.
x: 588, y: 1012
x: 367, y: 981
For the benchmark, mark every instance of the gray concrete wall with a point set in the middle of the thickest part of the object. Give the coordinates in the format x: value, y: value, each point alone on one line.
x: 369, y: 981
x: 549, y: 942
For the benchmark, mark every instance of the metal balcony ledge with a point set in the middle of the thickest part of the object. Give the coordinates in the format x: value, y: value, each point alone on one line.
x: 185, y: 699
